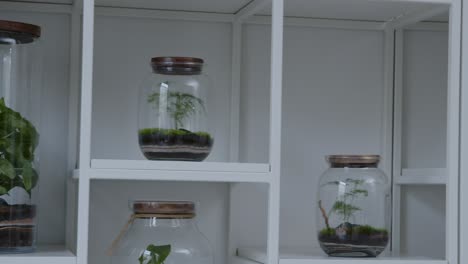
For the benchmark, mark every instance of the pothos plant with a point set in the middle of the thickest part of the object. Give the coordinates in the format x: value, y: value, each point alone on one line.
x: 155, y: 254
x: 18, y: 141
x: 180, y: 105
x: 344, y: 205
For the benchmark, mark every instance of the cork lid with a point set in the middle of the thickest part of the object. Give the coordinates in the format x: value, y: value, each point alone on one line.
x: 177, y: 65
x: 167, y: 209
x: 21, y: 32
x: 359, y: 161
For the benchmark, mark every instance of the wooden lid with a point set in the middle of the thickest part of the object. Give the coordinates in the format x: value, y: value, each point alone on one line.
x: 177, y: 65
x: 174, y: 208
x: 360, y: 161
x: 22, y: 32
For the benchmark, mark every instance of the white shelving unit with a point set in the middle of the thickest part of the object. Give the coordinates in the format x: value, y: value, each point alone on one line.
x: 258, y: 69
x: 43, y: 254
x: 289, y: 256
x: 178, y: 171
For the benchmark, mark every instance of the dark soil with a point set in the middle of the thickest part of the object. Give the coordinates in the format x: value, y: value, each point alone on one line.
x: 16, y: 236
x: 164, y: 146
x: 16, y: 228
x: 16, y: 212
x: 350, y: 240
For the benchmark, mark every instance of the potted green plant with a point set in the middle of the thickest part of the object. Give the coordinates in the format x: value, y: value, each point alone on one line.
x: 364, y: 240
x: 18, y: 141
x: 177, y: 143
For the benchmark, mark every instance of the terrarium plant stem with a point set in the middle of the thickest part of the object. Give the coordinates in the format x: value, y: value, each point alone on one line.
x: 324, y: 214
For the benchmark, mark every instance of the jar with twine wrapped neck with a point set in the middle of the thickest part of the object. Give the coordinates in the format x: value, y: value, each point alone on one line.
x: 161, y: 232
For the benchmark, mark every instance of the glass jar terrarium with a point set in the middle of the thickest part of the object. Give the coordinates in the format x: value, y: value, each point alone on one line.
x: 19, y: 97
x: 173, y: 117
x: 353, y: 207
x: 161, y: 232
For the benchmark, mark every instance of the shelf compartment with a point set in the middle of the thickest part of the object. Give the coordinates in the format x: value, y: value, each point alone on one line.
x: 105, y: 169
x: 430, y: 176
x: 316, y: 256
x: 47, y: 254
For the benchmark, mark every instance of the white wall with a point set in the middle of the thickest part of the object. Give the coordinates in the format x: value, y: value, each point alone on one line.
x: 424, y: 99
x: 55, y: 41
x: 424, y: 139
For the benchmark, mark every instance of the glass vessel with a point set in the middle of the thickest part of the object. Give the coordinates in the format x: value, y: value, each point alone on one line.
x: 173, y: 115
x: 161, y: 232
x: 19, y: 138
x: 353, y: 207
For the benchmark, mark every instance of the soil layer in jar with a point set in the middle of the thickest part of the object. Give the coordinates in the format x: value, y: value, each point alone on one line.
x: 349, y: 240
x: 17, y: 227
x: 174, y: 144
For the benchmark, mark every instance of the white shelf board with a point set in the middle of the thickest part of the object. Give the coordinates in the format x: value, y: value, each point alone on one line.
x: 362, y: 10
x: 206, y: 6
x: 316, y: 256
x: 104, y: 169
x: 43, y: 255
x: 431, y: 176
x: 62, y: 2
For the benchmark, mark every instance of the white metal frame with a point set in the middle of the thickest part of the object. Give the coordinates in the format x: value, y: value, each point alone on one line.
x: 390, y: 144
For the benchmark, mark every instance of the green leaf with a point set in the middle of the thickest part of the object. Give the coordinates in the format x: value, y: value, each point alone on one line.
x: 3, y: 190
x: 142, y: 258
x: 158, y: 253
x: 6, y: 168
x: 28, y: 175
x: 353, y: 181
x: 359, y: 191
x: 18, y: 141
x: 344, y: 209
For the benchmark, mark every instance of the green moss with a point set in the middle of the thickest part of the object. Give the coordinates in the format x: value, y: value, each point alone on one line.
x: 362, y: 230
x: 172, y: 132
x: 327, y: 232
x: 203, y: 134
x: 369, y: 230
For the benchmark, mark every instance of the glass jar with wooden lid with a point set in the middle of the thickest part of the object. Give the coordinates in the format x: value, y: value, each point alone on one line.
x: 173, y: 116
x: 161, y: 232
x: 20, y: 96
x: 353, y: 217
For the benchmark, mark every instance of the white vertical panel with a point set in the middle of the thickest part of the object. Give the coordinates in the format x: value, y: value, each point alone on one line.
x: 464, y: 142
x: 453, y: 134
x: 397, y: 131
x: 73, y: 116
x: 85, y: 130
x: 235, y: 91
x: 276, y: 77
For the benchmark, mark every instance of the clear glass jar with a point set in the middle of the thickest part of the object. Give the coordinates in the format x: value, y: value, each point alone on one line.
x: 173, y: 116
x: 161, y: 232
x: 353, y: 207
x: 19, y: 136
